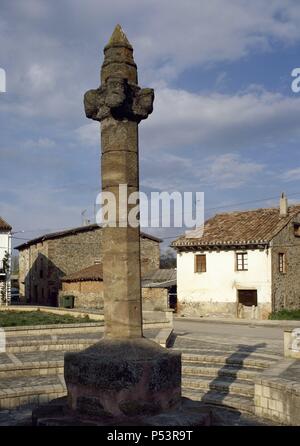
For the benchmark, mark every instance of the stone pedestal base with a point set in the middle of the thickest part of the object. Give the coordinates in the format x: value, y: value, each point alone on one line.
x: 188, y: 413
x: 132, y: 382
x: 123, y: 378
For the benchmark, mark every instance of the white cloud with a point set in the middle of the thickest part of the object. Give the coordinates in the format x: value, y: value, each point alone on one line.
x: 181, y: 118
x: 291, y: 175
x: 41, y: 77
x: 89, y: 134
x: 226, y: 171
x: 51, y: 62
x: 230, y: 171
x: 40, y: 143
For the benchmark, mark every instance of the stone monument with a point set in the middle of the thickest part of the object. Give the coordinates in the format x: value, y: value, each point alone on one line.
x: 124, y: 376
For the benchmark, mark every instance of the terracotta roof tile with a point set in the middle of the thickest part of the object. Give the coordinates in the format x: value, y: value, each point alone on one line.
x: 72, y: 231
x: 93, y: 272
x: 257, y: 226
x: 4, y: 226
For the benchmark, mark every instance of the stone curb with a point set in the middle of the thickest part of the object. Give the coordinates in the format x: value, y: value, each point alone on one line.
x: 32, y: 330
x: 56, y: 310
x: 266, y: 323
x: 163, y: 337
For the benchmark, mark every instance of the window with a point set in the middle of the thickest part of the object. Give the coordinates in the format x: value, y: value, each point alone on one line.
x: 282, y: 262
x: 41, y: 268
x: 248, y: 298
x: 242, y: 261
x: 200, y: 263
x: 297, y: 229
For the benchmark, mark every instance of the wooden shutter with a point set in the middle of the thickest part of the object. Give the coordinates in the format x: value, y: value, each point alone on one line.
x: 200, y: 263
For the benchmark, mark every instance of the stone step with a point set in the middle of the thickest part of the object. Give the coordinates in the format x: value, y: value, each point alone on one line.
x: 42, y: 368
x: 54, y: 329
x: 231, y: 353
x: 62, y: 337
x: 47, y: 345
x: 17, y: 392
x: 63, y: 342
x: 219, y: 384
x: 206, y: 369
x: 257, y: 363
x: 241, y: 403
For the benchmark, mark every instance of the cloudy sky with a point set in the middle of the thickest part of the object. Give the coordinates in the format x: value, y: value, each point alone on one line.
x: 225, y: 119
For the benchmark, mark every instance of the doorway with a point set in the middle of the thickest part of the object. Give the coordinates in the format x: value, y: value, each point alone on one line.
x: 246, y: 300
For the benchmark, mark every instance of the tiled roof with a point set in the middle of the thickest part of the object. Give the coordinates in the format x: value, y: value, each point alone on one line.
x: 159, y: 278
x: 93, y: 272
x: 4, y: 226
x: 160, y: 275
x: 254, y: 227
x: 72, y: 231
x: 156, y: 278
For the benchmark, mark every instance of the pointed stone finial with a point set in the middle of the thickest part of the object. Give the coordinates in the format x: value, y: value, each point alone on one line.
x: 119, y: 96
x: 284, y: 208
x: 119, y: 38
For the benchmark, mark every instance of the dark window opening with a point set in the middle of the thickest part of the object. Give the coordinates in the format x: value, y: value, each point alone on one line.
x: 247, y: 297
x: 282, y: 262
x: 297, y: 229
x: 172, y: 295
x: 41, y: 268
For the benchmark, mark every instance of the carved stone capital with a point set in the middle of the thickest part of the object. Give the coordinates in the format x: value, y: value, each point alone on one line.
x: 119, y: 99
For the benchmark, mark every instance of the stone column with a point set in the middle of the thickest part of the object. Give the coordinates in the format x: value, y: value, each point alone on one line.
x: 119, y: 104
x: 124, y: 374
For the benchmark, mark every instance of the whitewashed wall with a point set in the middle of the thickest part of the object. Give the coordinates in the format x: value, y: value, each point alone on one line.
x: 4, y: 246
x: 221, y: 281
x: 4, y: 240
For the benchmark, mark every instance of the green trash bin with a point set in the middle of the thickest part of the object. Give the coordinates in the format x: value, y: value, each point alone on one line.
x: 67, y: 301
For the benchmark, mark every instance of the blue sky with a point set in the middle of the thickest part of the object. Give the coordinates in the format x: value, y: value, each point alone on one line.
x: 225, y: 119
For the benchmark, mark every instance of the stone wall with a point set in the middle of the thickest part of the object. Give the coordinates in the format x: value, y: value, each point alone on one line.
x: 277, y: 393
x: 65, y: 255
x: 150, y: 255
x: 223, y: 309
x: 291, y: 342
x: 155, y: 298
x: 88, y: 294
x: 286, y: 286
x: 34, y: 266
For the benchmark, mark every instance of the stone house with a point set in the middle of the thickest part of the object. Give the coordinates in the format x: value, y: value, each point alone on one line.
x: 245, y: 264
x: 5, y: 247
x: 43, y: 261
x: 158, y: 288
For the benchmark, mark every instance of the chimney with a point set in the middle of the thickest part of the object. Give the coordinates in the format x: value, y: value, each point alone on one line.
x: 283, y: 205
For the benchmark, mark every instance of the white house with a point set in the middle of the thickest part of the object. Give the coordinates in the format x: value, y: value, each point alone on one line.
x: 245, y: 264
x: 5, y: 247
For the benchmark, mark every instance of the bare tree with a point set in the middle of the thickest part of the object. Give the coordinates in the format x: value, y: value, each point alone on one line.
x: 168, y: 259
